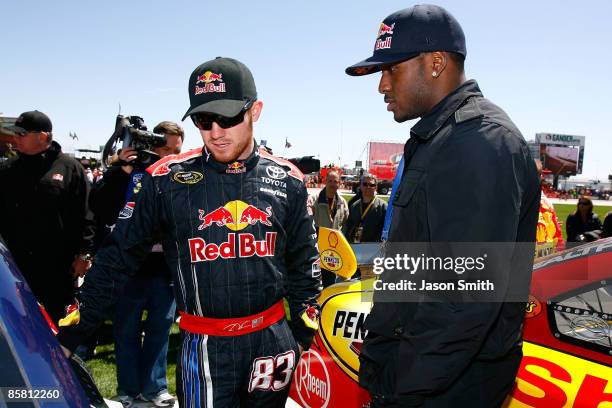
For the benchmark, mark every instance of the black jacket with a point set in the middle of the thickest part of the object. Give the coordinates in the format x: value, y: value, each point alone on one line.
x: 44, y: 217
x: 108, y: 197
x: 238, y: 239
x: 469, y: 177
x: 372, y: 223
x: 574, y: 226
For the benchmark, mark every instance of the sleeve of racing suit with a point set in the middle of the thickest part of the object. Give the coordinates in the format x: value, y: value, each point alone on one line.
x: 303, y: 272
x: 445, y: 337
x: 117, y: 260
x: 108, y: 195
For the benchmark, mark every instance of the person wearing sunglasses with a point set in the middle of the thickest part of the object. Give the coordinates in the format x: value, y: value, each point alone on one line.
x: 366, y: 215
x: 239, y: 239
x: 583, y: 225
x: 44, y: 213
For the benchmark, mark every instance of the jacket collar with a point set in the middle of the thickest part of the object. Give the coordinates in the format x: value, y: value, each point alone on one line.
x: 237, y: 167
x: 323, y: 195
x: 48, y: 155
x: 431, y: 123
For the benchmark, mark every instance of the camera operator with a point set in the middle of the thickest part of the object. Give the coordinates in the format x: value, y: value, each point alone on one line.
x: 141, y: 366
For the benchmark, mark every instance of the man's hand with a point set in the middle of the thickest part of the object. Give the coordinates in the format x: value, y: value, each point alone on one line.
x: 127, y: 155
x: 81, y: 265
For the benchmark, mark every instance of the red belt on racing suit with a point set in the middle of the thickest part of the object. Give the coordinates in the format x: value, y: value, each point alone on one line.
x: 232, y: 326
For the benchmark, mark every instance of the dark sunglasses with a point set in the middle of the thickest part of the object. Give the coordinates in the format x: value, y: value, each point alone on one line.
x: 368, y: 184
x: 204, y: 121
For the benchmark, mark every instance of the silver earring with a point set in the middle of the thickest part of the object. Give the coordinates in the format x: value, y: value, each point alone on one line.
x: 434, y: 74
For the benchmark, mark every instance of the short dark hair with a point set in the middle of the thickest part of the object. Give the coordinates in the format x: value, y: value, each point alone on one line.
x: 458, y: 59
x: 169, y: 128
x: 367, y: 176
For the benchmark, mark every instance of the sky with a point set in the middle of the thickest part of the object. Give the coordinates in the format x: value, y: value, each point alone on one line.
x: 546, y: 63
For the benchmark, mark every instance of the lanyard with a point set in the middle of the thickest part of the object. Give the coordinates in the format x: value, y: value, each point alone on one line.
x: 368, y: 208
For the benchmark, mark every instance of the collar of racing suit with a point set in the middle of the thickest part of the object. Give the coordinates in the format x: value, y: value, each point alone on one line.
x: 235, y: 167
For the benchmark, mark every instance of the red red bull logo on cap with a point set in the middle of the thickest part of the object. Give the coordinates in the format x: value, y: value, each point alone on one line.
x: 383, y: 30
x: 207, y: 79
x: 235, y: 215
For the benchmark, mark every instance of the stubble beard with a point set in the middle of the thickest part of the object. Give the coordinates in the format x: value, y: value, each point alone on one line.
x: 420, y: 92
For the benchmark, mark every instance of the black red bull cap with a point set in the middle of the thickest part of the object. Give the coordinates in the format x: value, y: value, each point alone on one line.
x: 222, y: 86
x: 409, y: 32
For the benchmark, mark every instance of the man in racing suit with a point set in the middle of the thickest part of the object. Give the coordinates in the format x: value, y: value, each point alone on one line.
x: 238, y: 237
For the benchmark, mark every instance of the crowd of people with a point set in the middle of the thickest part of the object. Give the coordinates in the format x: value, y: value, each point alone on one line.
x: 575, y: 193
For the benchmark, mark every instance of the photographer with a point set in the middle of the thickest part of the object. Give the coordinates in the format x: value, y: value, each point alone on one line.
x: 141, y: 366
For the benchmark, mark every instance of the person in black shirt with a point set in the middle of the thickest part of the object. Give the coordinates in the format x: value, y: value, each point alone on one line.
x: 607, y: 226
x: 583, y: 225
x: 366, y: 215
x: 468, y: 179
x: 44, y: 214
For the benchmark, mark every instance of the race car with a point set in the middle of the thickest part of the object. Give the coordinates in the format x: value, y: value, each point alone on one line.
x: 567, y: 344
x: 35, y: 371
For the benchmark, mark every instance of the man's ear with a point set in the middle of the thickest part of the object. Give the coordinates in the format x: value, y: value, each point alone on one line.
x: 44, y: 137
x: 438, y: 63
x: 256, y: 110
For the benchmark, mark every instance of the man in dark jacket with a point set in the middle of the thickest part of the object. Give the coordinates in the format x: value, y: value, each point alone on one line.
x: 468, y: 178
x: 44, y: 216
x: 366, y: 215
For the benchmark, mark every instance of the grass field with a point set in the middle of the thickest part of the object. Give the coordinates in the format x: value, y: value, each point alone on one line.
x: 103, y: 365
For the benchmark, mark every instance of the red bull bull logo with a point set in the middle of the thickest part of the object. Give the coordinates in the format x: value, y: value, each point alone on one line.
x: 382, y: 31
x: 221, y: 216
x: 252, y: 215
x: 208, y: 78
x: 385, y: 30
x: 235, y: 215
x: 235, y: 168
